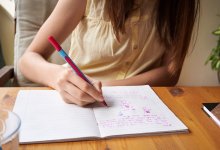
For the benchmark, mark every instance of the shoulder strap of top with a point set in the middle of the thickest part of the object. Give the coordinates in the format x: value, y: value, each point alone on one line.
x: 87, y: 7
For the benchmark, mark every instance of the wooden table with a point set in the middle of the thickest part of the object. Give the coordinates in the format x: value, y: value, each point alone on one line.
x: 185, y: 102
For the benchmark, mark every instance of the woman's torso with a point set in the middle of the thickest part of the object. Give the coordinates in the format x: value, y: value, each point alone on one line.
x: 99, y: 54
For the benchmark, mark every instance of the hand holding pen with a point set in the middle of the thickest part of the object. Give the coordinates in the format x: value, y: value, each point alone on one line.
x: 78, y: 88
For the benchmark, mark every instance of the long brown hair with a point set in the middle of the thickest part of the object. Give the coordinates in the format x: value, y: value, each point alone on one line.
x: 175, y: 20
x: 118, y: 12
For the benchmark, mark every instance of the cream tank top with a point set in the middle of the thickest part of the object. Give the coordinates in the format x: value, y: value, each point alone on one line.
x: 100, y: 55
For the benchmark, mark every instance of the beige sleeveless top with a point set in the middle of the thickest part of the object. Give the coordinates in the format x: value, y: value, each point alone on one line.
x: 99, y: 54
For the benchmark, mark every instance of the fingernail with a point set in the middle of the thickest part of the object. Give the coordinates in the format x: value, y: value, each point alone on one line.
x: 102, y: 99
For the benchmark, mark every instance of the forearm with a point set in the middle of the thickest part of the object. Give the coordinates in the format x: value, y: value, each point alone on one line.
x: 35, y: 68
x: 156, y: 77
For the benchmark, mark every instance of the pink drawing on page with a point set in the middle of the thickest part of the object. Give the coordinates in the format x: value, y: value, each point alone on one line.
x: 127, y: 116
x: 126, y: 106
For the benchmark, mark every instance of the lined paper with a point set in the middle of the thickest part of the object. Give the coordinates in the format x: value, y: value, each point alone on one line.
x: 132, y: 110
x: 46, y: 117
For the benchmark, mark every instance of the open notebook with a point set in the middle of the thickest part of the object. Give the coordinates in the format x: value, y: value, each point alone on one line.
x: 133, y: 110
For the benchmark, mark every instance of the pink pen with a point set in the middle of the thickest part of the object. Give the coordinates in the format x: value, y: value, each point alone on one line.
x: 69, y: 61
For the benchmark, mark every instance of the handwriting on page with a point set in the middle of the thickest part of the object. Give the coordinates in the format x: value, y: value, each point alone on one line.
x: 130, y: 115
x: 118, y: 94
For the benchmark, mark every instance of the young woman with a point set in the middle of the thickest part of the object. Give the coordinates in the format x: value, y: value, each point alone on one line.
x: 114, y: 42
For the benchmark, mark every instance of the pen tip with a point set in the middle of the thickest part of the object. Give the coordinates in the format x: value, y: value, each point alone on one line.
x: 104, y: 103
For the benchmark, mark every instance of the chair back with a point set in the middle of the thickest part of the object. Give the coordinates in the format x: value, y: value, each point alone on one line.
x: 30, y: 15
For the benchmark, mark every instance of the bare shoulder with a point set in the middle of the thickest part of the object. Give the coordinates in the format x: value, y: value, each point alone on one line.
x: 71, y: 7
x: 62, y: 21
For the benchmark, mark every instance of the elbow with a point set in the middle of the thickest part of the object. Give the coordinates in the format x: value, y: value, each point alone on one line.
x: 21, y: 63
x: 173, y: 79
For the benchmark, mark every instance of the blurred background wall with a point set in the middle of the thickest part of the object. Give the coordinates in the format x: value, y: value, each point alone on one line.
x: 7, y: 30
x: 194, y: 72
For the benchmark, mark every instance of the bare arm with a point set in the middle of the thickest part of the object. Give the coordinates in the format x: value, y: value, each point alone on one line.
x: 34, y: 66
x: 160, y: 76
x: 58, y: 25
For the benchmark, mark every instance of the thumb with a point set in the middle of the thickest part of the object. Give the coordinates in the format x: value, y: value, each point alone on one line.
x: 98, y: 86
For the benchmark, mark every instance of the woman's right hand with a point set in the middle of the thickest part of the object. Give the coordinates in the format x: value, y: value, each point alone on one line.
x: 74, y: 89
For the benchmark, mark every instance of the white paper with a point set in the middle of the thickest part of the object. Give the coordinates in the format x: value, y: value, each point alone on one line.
x: 135, y: 110
x: 131, y: 110
x: 46, y: 117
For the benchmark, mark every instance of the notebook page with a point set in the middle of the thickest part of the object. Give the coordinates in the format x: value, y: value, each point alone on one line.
x: 46, y: 117
x: 135, y: 110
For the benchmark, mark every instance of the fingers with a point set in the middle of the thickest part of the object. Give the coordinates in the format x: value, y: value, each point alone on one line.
x: 74, y: 89
x: 93, y: 91
x: 76, y: 93
x: 71, y: 99
x: 98, y: 86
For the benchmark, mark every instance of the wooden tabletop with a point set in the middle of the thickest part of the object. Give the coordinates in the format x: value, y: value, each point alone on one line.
x: 185, y: 102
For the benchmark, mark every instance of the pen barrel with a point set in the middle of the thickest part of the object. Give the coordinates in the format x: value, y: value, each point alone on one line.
x: 76, y: 69
x: 54, y: 43
x: 67, y: 59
